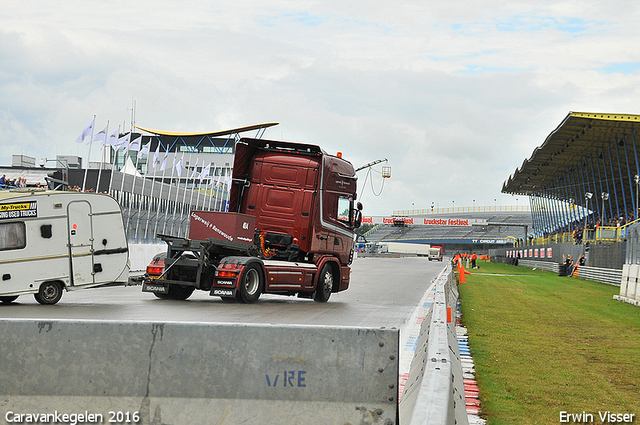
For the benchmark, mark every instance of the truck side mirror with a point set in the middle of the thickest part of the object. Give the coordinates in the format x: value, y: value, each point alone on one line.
x: 357, y: 217
x: 357, y: 220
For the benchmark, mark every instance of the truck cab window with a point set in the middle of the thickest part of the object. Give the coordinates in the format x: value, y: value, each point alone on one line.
x: 344, y: 209
x: 13, y: 236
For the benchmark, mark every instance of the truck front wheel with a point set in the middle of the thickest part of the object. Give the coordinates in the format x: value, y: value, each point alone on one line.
x: 251, y: 284
x: 49, y: 293
x: 325, y: 284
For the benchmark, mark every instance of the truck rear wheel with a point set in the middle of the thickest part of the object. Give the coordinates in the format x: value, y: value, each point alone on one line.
x: 177, y: 292
x: 251, y: 284
x: 49, y: 293
x: 325, y: 284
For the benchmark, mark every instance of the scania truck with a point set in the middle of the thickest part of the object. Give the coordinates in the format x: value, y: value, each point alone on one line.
x: 289, y: 229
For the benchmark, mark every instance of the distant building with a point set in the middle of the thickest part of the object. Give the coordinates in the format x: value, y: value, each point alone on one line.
x: 191, y: 171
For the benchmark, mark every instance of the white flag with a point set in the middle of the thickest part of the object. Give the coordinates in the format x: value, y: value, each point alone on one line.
x: 205, y: 171
x: 195, y: 169
x: 144, y: 150
x: 123, y: 141
x: 135, y: 144
x: 179, y: 166
x: 86, y: 132
x: 155, y: 155
x: 112, y: 139
x: 101, y: 136
x: 164, y: 162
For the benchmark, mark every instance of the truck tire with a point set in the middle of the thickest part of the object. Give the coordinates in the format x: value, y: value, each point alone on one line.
x: 49, y: 293
x: 177, y: 292
x: 251, y: 284
x: 325, y: 284
x: 9, y: 299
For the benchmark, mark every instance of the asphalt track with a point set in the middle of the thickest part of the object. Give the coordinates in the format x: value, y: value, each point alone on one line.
x: 383, y: 293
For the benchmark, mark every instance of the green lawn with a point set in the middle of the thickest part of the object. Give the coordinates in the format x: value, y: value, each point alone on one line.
x: 543, y: 344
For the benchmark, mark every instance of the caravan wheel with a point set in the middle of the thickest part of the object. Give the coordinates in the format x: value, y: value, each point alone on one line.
x: 49, y: 293
x: 9, y: 299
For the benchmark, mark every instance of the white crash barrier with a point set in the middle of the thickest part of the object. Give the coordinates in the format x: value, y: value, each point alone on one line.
x: 186, y: 373
x: 630, y: 284
x: 434, y: 392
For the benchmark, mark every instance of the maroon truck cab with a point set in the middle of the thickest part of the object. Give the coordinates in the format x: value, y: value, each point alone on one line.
x: 289, y: 229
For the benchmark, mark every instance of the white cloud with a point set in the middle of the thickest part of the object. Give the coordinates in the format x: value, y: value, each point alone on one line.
x: 455, y: 95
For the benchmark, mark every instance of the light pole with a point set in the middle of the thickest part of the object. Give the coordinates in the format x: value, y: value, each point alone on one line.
x: 636, y: 179
x: 605, y: 196
x: 587, y: 198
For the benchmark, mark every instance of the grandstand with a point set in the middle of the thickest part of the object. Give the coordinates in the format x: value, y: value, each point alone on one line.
x: 484, y: 228
x: 583, y: 184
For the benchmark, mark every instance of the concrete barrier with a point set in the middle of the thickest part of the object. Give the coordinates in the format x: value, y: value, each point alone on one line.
x: 186, y: 373
x: 434, y: 392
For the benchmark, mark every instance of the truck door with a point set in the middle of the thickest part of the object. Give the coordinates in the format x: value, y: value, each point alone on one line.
x: 80, y: 242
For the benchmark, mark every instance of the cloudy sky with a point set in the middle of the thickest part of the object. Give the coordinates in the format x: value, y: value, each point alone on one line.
x: 454, y: 94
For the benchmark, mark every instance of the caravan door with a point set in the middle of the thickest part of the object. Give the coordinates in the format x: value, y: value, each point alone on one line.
x: 80, y: 234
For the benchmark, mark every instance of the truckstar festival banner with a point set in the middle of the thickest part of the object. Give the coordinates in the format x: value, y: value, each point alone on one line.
x: 440, y: 221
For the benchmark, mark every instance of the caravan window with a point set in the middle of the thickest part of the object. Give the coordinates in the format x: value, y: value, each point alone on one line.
x: 12, y: 236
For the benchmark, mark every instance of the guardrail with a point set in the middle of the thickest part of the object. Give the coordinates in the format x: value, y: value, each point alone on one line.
x: 434, y: 392
x: 598, y: 274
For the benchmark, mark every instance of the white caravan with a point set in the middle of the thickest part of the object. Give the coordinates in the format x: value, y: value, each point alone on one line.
x: 51, y: 240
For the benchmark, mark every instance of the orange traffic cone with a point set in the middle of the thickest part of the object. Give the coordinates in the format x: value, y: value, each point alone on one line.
x: 463, y: 272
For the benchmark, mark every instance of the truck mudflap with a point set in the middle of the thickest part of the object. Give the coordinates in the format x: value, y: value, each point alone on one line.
x: 154, y: 287
x: 224, y: 292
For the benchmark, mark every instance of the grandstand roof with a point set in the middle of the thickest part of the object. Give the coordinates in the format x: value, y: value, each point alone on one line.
x: 581, y: 139
x: 210, y: 133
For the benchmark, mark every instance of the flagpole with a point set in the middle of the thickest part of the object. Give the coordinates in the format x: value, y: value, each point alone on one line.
x: 164, y: 169
x: 153, y: 183
x: 219, y: 192
x: 86, y: 168
x: 113, y: 164
x: 212, y: 188
x: 125, y: 153
x: 133, y: 182
x: 173, y: 167
x: 144, y: 180
x: 175, y: 204
x: 184, y: 198
x: 200, y: 178
x: 104, y: 148
x: 193, y: 188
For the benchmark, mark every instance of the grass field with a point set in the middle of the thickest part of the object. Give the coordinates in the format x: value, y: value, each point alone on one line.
x: 543, y: 344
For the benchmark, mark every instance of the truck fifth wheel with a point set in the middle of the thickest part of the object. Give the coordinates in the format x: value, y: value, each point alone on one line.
x: 289, y: 229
